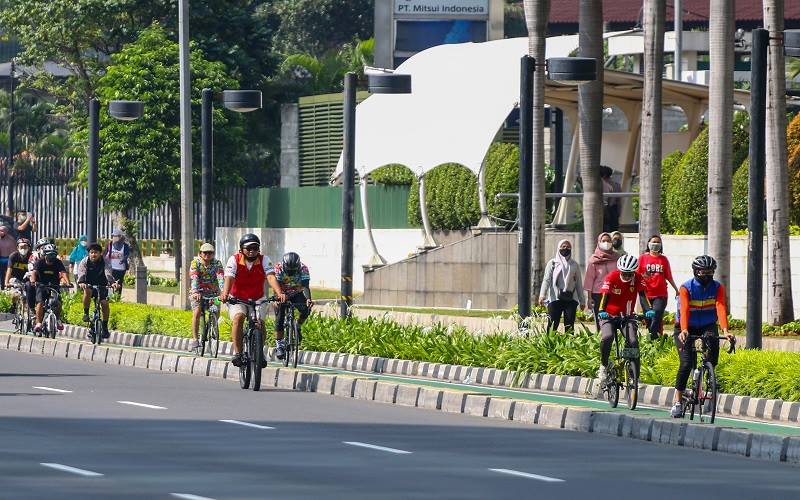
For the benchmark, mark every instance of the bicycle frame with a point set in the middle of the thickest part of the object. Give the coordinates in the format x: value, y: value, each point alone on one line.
x: 252, y: 343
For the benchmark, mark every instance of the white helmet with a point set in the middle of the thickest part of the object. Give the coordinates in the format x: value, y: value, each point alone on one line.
x: 628, y: 263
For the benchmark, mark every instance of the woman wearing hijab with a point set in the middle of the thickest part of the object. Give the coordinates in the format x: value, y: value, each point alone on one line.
x: 618, y: 243
x: 655, y: 269
x: 602, y: 262
x: 78, y: 253
x: 562, y: 288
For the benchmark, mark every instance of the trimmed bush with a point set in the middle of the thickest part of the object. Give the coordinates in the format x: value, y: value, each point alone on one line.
x: 669, y: 165
x: 793, y: 150
x: 393, y: 175
x: 687, y: 203
x: 740, y: 191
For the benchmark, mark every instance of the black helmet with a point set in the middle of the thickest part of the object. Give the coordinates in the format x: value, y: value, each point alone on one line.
x: 49, y: 250
x: 291, y: 262
x: 704, y: 262
x: 248, y: 238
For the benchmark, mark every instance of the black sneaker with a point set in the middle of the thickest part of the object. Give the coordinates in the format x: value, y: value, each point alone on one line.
x: 236, y: 360
x: 85, y: 318
x: 263, y: 361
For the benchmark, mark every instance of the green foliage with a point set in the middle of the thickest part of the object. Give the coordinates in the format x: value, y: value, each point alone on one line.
x: 393, y: 175
x: 5, y: 303
x: 669, y: 165
x: 38, y: 132
x: 740, y: 190
x: 130, y: 280
x: 322, y: 74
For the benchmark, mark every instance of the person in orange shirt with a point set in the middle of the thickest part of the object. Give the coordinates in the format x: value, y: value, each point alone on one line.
x: 702, y: 306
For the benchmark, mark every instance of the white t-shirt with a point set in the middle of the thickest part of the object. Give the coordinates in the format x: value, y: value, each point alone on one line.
x: 118, y: 258
x: 231, y: 265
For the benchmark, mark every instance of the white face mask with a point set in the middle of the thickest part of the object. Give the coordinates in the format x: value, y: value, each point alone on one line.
x: 84, y: 244
x: 24, y: 251
x: 605, y: 245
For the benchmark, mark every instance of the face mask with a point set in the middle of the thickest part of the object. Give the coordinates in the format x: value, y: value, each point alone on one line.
x: 251, y: 258
x: 622, y: 277
x: 84, y: 244
x: 654, y: 247
x: 704, y: 280
x: 616, y: 243
x: 24, y: 251
x: 565, y: 252
x: 605, y: 245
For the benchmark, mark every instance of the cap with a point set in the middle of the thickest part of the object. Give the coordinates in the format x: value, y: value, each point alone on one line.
x: 207, y: 247
x: 116, y: 232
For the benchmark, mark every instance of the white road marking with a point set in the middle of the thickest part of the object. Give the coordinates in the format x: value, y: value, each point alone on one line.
x: 248, y: 424
x: 143, y: 405
x: 528, y: 475
x: 189, y: 496
x: 51, y: 389
x: 73, y: 470
x: 376, y: 447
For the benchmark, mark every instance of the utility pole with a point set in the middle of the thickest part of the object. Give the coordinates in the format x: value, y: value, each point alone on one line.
x: 678, y: 30
x: 10, y: 161
x: 187, y: 198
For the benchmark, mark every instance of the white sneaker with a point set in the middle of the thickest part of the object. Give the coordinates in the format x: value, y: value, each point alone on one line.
x: 601, y: 373
x: 676, y: 411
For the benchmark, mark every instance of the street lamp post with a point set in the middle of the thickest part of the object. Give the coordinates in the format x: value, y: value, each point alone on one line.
x: 383, y: 83
x: 10, y: 160
x: 572, y: 69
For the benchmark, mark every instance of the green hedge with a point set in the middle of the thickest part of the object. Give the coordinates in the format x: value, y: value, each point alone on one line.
x: 393, y: 175
x: 740, y: 192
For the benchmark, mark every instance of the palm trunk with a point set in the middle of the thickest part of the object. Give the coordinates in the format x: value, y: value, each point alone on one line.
x: 175, y: 211
x: 650, y: 167
x: 590, y: 111
x: 537, y: 13
x: 779, y: 273
x: 720, y: 143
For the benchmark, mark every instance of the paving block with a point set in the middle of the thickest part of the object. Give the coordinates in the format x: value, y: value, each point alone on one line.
x: 114, y: 356
x: 128, y: 357
x: 430, y: 398
x: 25, y: 344
x: 4, y: 338
x: 170, y: 362
x: 87, y: 352
x: 325, y: 383
x: 48, y: 349
x: 386, y: 392
x: 344, y: 386
x: 548, y: 382
x: 75, y: 351
x: 606, y: 422
x: 668, y: 432
x: 701, y: 436
x: 502, y: 408
x: 790, y: 412
x: 286, y: 379
x: 37, y: 345
x: 423, y: 370
x: 184, y: 364
x: 579, y: 419
x: 477, y: 405
x: 769, y: 447
x: 61, y: 349
x: 407, y: 395
x: 740, y: 404
x: 453, y: 401
x: 734, y: 441
x: 201, y: 366
x: 141, y: 359
x: 306, y: 381
x: 552, y: 416
x: 772, y: 410
x: 365, y: 389
x: 217, y: 368
x: 526, y: 411
x: 793, y: 451
x: 155, y: 360
x: 637, y: 427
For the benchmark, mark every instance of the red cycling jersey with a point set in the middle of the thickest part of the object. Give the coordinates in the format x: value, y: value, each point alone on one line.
x: 619, y: 297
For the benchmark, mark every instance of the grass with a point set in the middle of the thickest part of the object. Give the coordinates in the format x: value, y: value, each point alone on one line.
x: 317, y: 293
x: 469, y: 313
x: 163, y: 289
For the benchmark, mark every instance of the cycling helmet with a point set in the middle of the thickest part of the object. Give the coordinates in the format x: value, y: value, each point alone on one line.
x: 23, y: 241
x: 248, y: 238
x: 628, y: 263
x: 704, y: 262
x: 49, y: 250
x: 291, y: 262
x: 42, y: 242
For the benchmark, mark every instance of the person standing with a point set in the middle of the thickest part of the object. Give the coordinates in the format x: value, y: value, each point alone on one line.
x: 656, y: 271
x: 611, y: 205
x: 118, y: 253
x: 618, y: 243
x: 78, y: 253
x: 602, y: 262
x: 8, y: 245
x: 26, y: 225
x: 562, y: 288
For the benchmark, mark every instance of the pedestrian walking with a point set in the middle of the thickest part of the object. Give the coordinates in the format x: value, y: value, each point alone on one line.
x: 602, y: 262
x: 8, y: 245
x: 656, y: 271
x: 79, y: 252
x: 118, y: 253
x: 562, y: 288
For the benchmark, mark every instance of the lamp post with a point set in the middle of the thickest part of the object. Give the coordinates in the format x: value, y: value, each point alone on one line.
x: 10, y: 161
x: 382, y: 83
x: 569, y: 69
x: 241, y: 101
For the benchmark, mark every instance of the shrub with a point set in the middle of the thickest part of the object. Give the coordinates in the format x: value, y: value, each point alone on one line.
x: 793, y: 150
x: 740, y: 193
x: 393, y: 175
x: 669, y: 165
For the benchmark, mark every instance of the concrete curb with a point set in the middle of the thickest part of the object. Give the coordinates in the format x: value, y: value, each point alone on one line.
x: 762, y: 446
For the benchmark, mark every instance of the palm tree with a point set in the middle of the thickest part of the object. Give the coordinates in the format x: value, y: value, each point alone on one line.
x: 780, y: 306
x: 650, y: 168
x: 537, y: 13
x: 590, y: 111
x: 720, y: 135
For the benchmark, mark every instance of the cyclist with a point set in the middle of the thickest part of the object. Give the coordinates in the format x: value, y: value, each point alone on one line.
x: 207, y: 279
x: 95, y: 270
x: 293, y: 278
x: 702, y: 306
x: 48, y: 270
x: 246, y: 274
x: 18, y: 269
x: 618, y: 298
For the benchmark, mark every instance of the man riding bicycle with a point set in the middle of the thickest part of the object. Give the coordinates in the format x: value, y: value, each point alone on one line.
x: 702, y: 306
x: 617, y: 299
x: 293, y: 278
x: 207, y: 280
x: 18, y: 270
x: 95, y: 270
x: 48, y: 271
x: 246, y: 274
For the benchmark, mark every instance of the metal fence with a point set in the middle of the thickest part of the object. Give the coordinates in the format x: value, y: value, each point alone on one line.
x: 48, y: 189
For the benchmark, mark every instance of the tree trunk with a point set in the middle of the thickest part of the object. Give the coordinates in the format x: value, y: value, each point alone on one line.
x: 779, y: 273
x: 650, y: 163
x: 175, y: 212
x: 537, y: 13
x: 129, y: 227
x: 720, y: 142
x: 590, y: 111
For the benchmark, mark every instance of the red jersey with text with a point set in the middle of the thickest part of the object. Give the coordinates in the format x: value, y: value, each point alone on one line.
x: 656, y: 272
x: 620, y: 296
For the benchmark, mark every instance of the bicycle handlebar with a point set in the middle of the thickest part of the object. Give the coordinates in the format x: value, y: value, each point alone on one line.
x: 249, y: 302
x: 732, y: 340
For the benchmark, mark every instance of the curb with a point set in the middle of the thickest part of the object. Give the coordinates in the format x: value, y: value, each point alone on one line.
x: 761, y: 446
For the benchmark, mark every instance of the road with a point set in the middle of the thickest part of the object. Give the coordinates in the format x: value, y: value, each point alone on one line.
x: 206, y: 438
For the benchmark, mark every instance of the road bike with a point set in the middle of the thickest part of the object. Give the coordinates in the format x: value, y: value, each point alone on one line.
x: 22, y: 315
x: 291, y: 334
x: 96, y: 327
x: 209, y: 326
x: 51, y: 305
x: 252, y: 344
x: 623, y: 368
x: 702, y: 396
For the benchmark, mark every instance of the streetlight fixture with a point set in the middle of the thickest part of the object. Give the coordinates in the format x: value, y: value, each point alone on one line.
x: 241, y: 101
x: 565, y: 69
x: 382, y: 82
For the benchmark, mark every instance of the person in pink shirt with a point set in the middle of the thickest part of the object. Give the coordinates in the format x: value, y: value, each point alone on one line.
x: 654, y: 267
x: 602, y: 262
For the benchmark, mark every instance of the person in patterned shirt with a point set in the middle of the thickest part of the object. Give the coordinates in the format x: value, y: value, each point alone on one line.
x: 206, y: 275
x: 293, y: 278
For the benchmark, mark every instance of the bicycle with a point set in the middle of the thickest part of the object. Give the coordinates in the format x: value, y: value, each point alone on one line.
x: 50, y: 320
x: 252, y: 344
x: 704, y: 379
x: 22, y: 315
x: 209, y: 326
x: 625, y: 362
x: 292, y: 336
x: 96, y: 329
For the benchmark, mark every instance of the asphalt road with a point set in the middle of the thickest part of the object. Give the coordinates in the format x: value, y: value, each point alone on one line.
x: 295, y: 445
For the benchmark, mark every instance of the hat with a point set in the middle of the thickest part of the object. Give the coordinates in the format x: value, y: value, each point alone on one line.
x: 207, y: 247
x: 116, y: 232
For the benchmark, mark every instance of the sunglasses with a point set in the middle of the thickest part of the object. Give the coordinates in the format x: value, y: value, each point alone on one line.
x: 252, y: 248
x: 705, y: 273
x: 207, y: 253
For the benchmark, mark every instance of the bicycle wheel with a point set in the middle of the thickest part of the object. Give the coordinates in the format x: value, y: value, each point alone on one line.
x: 695, y: 400
x: 213, y: 335
x: 612, y: 387
x: 52, y: 324
x: 256, y: 356
x: 202, y: 330
x: 288, y: 330
x: 244, y: 370
x: 708, y: 381
x: 295, y: 346
x: 97, y: 326
x: 631, y: 384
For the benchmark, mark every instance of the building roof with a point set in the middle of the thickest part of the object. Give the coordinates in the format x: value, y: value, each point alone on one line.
x: 627, y: 11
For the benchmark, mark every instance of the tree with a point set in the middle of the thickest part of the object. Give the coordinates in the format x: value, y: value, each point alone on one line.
x: 720, y: 139
x: 312, y: 74
x: 537, y: 13
x: 780, y: 308
x: 590, y: 111
x: 37, y: 131
x: 650, y: 164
